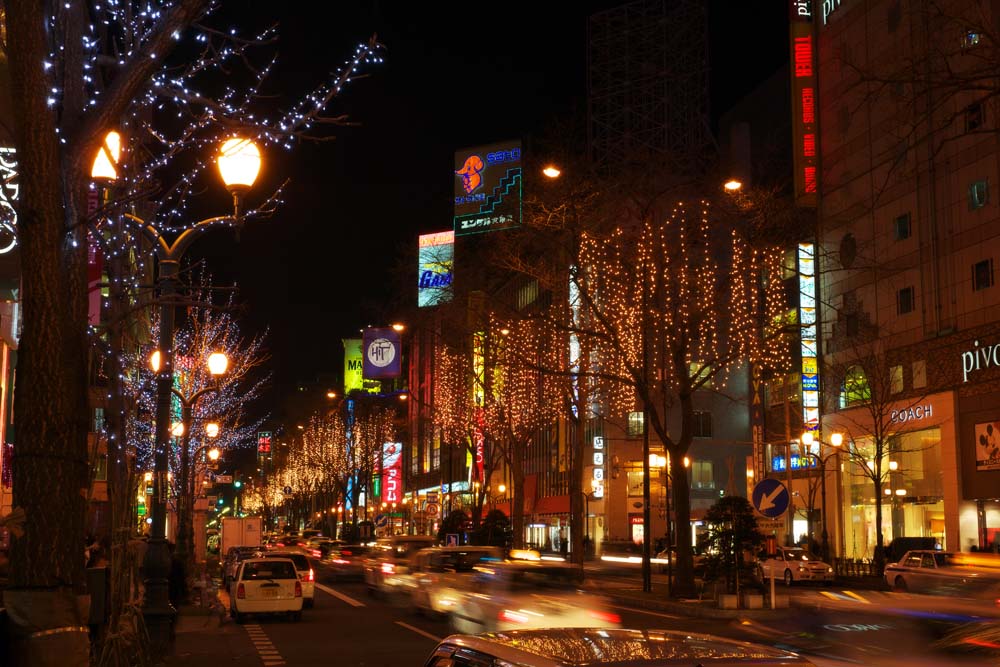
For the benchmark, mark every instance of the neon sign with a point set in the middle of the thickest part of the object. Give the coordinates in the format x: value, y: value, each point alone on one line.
x: 10, y: 189
x: 805, y: 134
x: 487, y: 192
x: 808, y: 345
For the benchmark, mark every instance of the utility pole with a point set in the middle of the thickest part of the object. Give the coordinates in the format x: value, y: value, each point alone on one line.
x: 790, y: 520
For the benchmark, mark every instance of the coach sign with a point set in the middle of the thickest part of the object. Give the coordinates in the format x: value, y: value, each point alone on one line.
x: 912, y: 413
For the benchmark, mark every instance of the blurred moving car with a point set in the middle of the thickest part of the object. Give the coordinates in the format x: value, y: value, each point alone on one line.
x: 576, y: 647
x: 232, y: 561
x: 346, y: 561
x: 319, y: 547
x: 945, y: 573
x: 439, y: 575
x: 265, y: 586
x: 388, y: 563
x: 662, y: 560
x: 303, y: 568
x: 522, y: 595
x: 792, y: 564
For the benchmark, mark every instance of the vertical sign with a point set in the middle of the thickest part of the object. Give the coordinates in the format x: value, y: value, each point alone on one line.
x: 488, y: 188
x: 436, y: 268
x: 479, y: 403
x: 809, y: 342
x: 805, y: 129
x: 381, y: 348
x: 392, y: 472
x: 600, y: 456
x: 353, y: 365
x: 757, y: 421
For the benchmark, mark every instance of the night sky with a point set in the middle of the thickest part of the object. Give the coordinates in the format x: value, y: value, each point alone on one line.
x: 455, y: 75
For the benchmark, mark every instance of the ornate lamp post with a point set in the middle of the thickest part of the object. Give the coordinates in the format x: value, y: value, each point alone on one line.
x: 239, y: 162
x: 836, y: 440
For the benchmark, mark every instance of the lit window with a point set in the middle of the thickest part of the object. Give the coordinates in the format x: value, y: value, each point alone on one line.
x: 978, y: 195
x: 901, y: 227
x: 982, y: 275
x: 701, y: 374
x: 904, y: 301
x: 919, y: 374
x: 702, y: 475
x: 855, y: 389
x: 635, y: 424
x: 896, y: 379
x: 970, y: 39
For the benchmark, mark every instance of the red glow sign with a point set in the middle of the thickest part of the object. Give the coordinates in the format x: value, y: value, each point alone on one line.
x: 392, y: 472
x: 805, y: 129
x: 264, y: 442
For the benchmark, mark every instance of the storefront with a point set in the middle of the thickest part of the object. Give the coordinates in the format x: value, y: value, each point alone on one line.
x: 979, y: 433
x: 918, y: 493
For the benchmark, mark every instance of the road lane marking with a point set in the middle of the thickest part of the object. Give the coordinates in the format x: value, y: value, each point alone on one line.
x: 340, y: 596
x: 856, y: 596
x: 262, y: 644
x: 418, y: 631
x: 646, y: 611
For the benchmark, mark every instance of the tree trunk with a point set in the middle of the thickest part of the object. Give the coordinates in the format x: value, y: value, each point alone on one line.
x: 517, y: 506
x: 185, y: 532
x: 683, y: 585
x: 879, y: 542
x: 577, y: 519
x: 50, y: 467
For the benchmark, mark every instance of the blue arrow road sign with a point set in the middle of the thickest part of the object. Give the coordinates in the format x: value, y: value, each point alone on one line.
x: 381, y: 520
x: 770, y: 498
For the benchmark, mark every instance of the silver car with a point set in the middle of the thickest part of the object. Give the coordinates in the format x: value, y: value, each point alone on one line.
x: 522, y: 595
x: 576, y: 647
x: 440, y: 575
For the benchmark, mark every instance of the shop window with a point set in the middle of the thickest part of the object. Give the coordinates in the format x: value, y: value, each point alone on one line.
x: 855, y: 389
x: 436, y: 452
x: 978, y: 195
x: 904, y: 301
x: 702, y: 424
x: 702, y: 475
x: 901, y: 227
x: 919, y: 374
x: 896, y: 379
x: 635, y: 426
x: 982, y: 275
x: 634, y: 483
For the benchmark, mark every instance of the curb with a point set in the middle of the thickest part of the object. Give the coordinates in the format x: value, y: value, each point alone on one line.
x: 695, y: 609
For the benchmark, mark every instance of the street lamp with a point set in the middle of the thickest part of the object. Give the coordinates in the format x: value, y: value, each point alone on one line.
x: 552, y: 171
x: 239, y: 163
x: 836, y: 440
x: 732, y: 186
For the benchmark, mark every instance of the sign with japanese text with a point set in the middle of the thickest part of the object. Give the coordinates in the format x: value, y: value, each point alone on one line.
x: 392, y: 472
x: 488, y: 188
x: 805, y: 128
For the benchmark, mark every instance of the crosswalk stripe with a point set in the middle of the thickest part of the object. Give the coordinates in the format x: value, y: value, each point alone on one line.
x: 856, y: 596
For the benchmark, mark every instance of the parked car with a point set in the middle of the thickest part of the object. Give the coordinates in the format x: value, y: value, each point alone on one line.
x: 945, y: 573
x: 346, y: 561
x: 440, y: 575
x: 304, y: 569
x: 265, y: 586
x: 793, y: 564
x: 521, y: 595
x: 589, y: 646
x: 232, y: 561
x: 388, y: 563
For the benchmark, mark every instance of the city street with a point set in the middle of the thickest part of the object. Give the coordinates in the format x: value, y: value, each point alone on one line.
x: 829, y: 625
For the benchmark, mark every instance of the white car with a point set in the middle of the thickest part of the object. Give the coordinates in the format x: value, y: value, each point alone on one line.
x: 523, y: 595
x: 387, y: 567
x: 792, y: 564
x: 441, y: 574
x: 265, y: 586
x: 304, y: 569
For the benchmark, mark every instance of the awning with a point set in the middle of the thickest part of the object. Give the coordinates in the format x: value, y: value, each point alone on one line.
x: 552, y: 505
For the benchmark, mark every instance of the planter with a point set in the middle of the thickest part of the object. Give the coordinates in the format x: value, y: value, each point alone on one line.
x: 729, y: 601
x: 753, y: 601
x: 780, y: 602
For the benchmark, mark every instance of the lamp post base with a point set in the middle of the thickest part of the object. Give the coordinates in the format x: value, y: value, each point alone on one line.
x: 157, y: 611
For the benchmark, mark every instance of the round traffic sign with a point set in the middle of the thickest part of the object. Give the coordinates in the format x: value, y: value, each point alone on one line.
x: 432, y: 509
x: 770, y: 498
x: 381, y: 520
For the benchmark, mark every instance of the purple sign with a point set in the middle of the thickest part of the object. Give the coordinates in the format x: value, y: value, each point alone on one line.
x: 382, y: 353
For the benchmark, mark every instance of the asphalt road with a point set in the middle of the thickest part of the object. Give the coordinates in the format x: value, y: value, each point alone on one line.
x: 348, y: 627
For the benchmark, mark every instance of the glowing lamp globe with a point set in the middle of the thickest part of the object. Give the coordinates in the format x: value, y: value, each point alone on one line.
x: 106, y: 162
x: 155, y: 361
x: 212, y: 431
x: 177, y: 429
x: 551, y: 171
x: 239, y: 163
x: 218, y: 363
x: 837, y: 439
x: 807, y: 438
x: 213, y: 454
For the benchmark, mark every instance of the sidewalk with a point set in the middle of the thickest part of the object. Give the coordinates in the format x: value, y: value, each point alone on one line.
x: 658, y: 600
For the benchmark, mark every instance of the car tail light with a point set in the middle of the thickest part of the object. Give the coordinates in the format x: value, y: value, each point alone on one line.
x: 512, y: 616
x: 345, y: 552
x: 298, y: 589
x: 316, y: 553
x: 241, y: 591
x: 341, y: 561
x: 312, y: 575
x: 606, y: 616
x: 388, y: 568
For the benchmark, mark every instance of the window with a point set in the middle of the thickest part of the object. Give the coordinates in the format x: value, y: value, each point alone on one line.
x: 970, y: 39
x: 896, y: 379
x: 436, y: 451
x: 904, y: 301
x: 974, y: 116
x: 635, y: 425
x: 702, y: 424
x: 700, y: 373
x: 901, y: 227
x: 101, y: 468
x: 634, y: 482
x: 414, y: 457
x: 98, y: 425
x: 702, y: 475
x: 982, y: 275
x: 978, y: 195
x: 855, y: 389
x: 788, y: 264
x: 852, y: 324
x: 919, y: 374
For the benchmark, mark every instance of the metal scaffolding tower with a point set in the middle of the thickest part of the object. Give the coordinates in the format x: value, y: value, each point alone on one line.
x: 647, y: 80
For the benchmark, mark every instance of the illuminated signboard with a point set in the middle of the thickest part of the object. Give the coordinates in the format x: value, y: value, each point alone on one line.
x: 805, y: 129
x: 436, y: 268
x: 798, y: 463
x: 392, y: 472
x: 382, y: 353
x: 10, y: 188
x: 354, y: 368
x: 808, y: 340
x: 264, y: 442
x: 479, y: 401
x: 487, y: 188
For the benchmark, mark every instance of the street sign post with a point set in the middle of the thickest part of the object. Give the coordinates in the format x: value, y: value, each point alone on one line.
x: 381, y: 520
x: 770, y: 498
x: 223, y: 479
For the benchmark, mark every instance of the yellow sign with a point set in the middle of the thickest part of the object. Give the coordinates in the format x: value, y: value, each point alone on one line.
x: 809, y: 366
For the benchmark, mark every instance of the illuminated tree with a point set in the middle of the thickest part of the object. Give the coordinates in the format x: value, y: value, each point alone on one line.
x: 81, y: 69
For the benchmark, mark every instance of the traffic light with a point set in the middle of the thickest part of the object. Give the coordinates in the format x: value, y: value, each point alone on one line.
x: 238, y: 483
x: 221, y: 500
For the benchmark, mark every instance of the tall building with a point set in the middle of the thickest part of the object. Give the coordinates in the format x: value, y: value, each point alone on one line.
x: 908, y: 242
